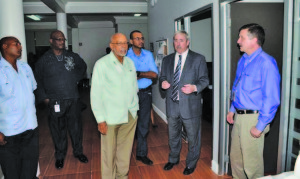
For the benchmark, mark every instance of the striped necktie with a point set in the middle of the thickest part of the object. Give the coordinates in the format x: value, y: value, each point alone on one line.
x: 175, y: 94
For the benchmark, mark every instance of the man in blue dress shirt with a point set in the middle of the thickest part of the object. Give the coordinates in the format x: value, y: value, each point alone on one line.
x: 146, y: 71
x: 19, y: 142
x: 255, y: 98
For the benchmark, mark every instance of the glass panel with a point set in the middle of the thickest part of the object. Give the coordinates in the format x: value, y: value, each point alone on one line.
x: 182, y: 24
x: 296, y: 146
x: 297, y: 125
x: 297, y: 103
x: 293, y: 161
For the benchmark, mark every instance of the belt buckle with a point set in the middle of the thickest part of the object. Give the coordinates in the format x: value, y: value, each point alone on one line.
x: 245, y: 111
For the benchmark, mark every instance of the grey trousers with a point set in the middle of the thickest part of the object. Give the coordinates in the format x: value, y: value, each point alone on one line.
x: 193, y: 129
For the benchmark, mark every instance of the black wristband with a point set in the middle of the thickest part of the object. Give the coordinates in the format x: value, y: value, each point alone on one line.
x: 138, y: 73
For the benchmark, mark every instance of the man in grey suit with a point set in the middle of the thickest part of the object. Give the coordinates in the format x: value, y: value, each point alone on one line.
x: 183, y: 76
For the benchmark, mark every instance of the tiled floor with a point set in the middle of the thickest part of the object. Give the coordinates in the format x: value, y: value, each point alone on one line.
x: 158, y: 152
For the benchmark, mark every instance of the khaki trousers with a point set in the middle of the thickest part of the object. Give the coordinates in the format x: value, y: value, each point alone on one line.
x: 246, y: 155
x: 116, y: 148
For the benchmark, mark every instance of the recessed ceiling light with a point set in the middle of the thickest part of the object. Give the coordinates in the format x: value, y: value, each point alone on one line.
x: 34, y: 17
x: 137, y: 15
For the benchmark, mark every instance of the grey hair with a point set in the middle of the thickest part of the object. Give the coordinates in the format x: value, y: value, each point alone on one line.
x: 187, y: 37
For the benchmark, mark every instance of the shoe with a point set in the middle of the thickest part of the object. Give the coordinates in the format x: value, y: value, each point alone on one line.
x: 59, y: 164
x: 170, y: 165
x: 144, y: 159
x: 82, y: 158
x: 188, y: 171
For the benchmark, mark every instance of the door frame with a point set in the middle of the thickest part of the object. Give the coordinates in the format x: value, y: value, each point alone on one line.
x: 225, y: 79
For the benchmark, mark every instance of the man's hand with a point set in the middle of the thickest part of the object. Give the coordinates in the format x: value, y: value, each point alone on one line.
x: 165, y: 85
x: 2, y: 141
x: 230, y: 117
x: 102, y: 128
x: 188, y: 89
x: 255, y: 132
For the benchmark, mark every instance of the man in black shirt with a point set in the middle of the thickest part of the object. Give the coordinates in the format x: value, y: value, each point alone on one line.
x: 57, y: 73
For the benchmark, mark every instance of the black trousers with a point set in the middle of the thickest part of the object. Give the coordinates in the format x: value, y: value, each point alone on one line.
x: 67, y: 120
x: 19, y: 156
x: 144, y: 115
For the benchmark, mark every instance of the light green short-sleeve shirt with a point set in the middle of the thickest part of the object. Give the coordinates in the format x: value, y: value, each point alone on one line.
x: 114, y: 90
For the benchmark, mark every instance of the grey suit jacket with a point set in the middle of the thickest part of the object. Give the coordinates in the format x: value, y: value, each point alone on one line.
x: 194, y: 72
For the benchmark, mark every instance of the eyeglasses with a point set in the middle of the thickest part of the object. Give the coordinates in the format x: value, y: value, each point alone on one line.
x: 120, y: 44
x: 138, y: 38
x: 60, y: 39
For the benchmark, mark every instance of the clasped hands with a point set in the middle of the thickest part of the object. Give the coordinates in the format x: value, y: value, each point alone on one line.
x: 187, y: 89
x: 253, y: 131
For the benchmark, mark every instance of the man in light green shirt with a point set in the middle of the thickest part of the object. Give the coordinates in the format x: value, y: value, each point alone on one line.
x: 114, y: 103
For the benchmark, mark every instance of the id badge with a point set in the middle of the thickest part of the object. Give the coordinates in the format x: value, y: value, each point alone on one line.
x: 56, y: 107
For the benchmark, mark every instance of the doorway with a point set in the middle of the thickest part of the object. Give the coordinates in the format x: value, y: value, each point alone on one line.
x: 272, y: 22
x: 276, y: 22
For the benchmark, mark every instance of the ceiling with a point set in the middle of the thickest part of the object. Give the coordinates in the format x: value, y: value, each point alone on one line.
x: 83, y: 10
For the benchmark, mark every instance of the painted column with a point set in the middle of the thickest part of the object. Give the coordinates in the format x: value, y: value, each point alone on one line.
x: 12, y: 22
x: 61, y: 19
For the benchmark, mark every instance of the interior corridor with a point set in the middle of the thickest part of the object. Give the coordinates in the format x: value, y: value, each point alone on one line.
x: 158, y: 152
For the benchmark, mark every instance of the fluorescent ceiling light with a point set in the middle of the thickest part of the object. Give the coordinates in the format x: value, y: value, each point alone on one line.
x: 34, y: 17
x: 137, y: 15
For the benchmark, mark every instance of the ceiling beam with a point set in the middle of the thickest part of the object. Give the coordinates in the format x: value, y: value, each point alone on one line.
x: 36, y: 8
x: 106, y: 7
x: 59, y: 7
x: 55, y: 5
x: 72, y: 21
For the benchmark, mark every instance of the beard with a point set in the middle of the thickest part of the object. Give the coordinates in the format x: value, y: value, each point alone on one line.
x: 122, y: 52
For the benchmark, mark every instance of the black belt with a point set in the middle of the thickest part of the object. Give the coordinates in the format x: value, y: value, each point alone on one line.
x: 145, y: 89
x: 245, y: 111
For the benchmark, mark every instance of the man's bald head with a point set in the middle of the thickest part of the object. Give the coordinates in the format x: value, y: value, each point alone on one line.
x: 55, y: 33
x: 117, y: 36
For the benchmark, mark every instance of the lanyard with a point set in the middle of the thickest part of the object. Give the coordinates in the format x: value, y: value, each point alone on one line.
x: 244, y: 69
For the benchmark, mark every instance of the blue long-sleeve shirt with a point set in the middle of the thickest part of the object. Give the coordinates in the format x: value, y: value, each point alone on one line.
x: 143, y: 63
x: 257, y: 86
x: 17, y: 101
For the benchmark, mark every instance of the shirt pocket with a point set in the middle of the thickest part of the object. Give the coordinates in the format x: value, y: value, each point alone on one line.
x: 251, y: 82
x: 6, y: 89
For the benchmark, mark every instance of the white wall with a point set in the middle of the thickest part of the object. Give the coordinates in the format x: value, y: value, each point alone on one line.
x: 94, y: 42
x: 128, y: 24
x: 161, y: 18
x: 201, y: 38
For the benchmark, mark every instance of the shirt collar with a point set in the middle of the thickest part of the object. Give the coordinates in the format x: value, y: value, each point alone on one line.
x: 5, y: 63
x: 183, y: 55
x: 131, y: 51
x: 115, y: 60
x: 253, y: 55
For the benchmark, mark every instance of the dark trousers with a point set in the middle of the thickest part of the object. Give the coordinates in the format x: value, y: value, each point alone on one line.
x: 144, y: 115
x: 19, y: 156
x: 193, y: 130
x: 67, y: 120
